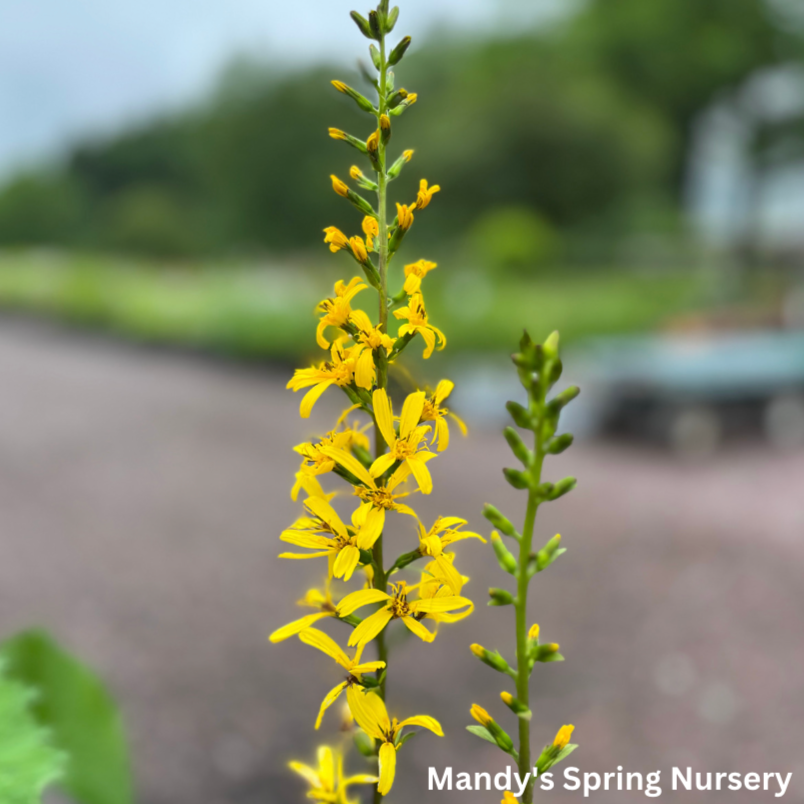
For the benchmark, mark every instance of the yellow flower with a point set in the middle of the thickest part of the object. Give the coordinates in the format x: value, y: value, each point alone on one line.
x: 379, y: 498
x: 339, y: 371
x: 415, y: 272
x: 368, y: 340
x: 327, y: 783
x: 337, y: 134
x: 336, y: 238
x: 336, y: 310
x: 325, y: 534
x: 562, y: 738
x: 408, y: 447
x: 373, y: 142
x: 433, y: 584
x: 372, y: 716
x: 425, y: 194
x: 433, y: 412
x: 315, y: 599
x: 339, y: 187
x: 371, y: 229
x: 354, y: 667
x: 445, y: 531
x: 314, y: 461
x: 356, y: 173
x: 397, y: 607
x: 534, y: 632
x: 340, y: 86
x: 358, y: 249
x: 416, y: 317
x: 404, y: 215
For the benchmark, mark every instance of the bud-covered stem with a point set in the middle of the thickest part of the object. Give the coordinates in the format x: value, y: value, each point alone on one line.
x: 537, y: 396
x: 380, y: 580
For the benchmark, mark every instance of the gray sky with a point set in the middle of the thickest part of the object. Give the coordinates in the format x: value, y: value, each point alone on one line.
x: 71, y: 67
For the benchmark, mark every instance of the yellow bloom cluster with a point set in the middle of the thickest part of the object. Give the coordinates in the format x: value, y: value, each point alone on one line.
x: 382, y: 456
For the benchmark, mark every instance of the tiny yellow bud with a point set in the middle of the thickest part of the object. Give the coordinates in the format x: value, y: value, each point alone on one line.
x: 340, y: 86
x: 495, y: 537
x: 385, y: 123
x: 408, y: 154
x: 405, y: 216
x: 508, y: 798
x: 355, y: 172
x: 337, y: 134
x: 507, y: 698
x: 481, y: 715
x: 534, y: 631
x: 373, y: 142
x: 554, y: 647
x: 371, y: 230
x: 412, y: 98
x: 478, y: 650
x: 339, y: 187
x: 563, y: 737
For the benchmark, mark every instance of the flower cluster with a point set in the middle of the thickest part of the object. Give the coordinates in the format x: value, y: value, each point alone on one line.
x: 348, y: 532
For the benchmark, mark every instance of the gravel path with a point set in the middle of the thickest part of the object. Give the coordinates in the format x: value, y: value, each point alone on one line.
x: 141, y: 497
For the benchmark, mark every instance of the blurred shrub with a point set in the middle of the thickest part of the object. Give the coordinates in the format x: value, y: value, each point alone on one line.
x: 513, y: 239
x: 150, y: 220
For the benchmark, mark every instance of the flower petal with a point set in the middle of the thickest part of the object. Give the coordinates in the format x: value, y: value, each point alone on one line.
x: 326, y: 644
x: 387, y: 768
x: 370, y: 627
x: 417, y: 628
x: 356, y: 600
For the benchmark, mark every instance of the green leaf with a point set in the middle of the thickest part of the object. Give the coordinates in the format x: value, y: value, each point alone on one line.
x: 81, y: 715
x: 28, y: 760
x: 482, y: 732
x: 565, y: 752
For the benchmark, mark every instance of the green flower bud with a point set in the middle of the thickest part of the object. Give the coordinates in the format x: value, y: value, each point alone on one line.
x: 518, y: 446
x: 500, y: 597
x: 399, y: 51
x: 392, y: 17
x: 516, y: 706
x: 549, y: 553
x: 504, y: 557
x: 521, y: 416
x: 362, y: 24
x: 562, y: 487
x: 499, y: 521
x: 364, y: 743
x: 560, y: 444
x: 519, y: 480
x: 492, y: 659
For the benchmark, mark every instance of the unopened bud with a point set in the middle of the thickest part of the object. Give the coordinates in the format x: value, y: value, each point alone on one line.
x: 505, y: 558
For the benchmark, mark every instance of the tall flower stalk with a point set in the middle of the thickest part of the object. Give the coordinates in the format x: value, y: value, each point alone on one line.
x: 361, y: 351
x: 539, y: 368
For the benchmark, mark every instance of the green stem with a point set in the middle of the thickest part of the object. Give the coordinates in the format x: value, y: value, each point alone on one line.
x: 380, y: 579
x: 523, y: 581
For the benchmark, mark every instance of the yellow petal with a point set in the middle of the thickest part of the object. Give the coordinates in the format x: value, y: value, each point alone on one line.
x: 291, y: 629
x: 372, y: 528
x: 367, y: 667
x: 323, y: 510
x: 382, y: 464
x: 384, y: 415
x: 351, y: 464
x: 369, y: 712
x: 443, y: 390
x: 426, y: 722
x: 307, y: 773
x: 326, y: 644
x: 417, y: 628
x: 311, y: 397
x: 370, y: 627
x: 387, y: 768
x: 363, y: 597
x: 346, y: 562
x: 442, y: 433
x: 440, y: 604
x: 411, y: 413
x: 329, y: 699
x: 421, y: 473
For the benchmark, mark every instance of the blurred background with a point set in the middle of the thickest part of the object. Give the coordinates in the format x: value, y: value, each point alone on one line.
x: 628, y: 172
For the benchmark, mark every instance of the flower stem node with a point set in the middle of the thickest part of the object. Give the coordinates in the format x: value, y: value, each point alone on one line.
x: 505, y: 558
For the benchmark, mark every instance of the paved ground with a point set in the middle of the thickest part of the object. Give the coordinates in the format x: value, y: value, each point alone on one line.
x: 141, y: 498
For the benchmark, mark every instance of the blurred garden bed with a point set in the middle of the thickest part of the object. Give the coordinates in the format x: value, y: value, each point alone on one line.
x: 263, y: 311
